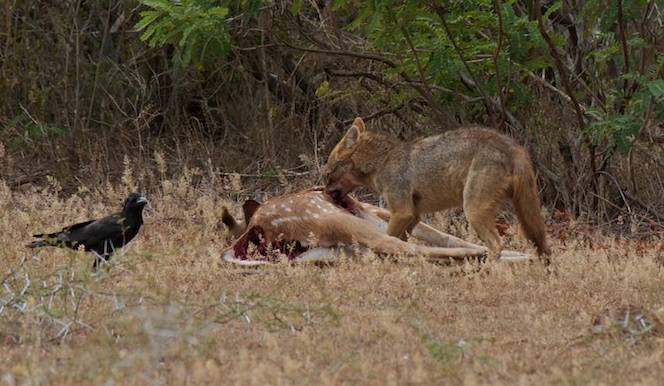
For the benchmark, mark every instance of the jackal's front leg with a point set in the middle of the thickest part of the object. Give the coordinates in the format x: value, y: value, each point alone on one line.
x: 399, y: 224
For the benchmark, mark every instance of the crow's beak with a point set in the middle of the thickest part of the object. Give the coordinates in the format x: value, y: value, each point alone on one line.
x: 141, y: 200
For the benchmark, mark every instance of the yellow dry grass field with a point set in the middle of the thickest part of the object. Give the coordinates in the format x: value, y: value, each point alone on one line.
x: 168, y: 312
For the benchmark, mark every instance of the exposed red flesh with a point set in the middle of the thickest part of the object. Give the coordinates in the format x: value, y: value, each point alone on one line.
x: 343, y: 201
x: 271, y: 250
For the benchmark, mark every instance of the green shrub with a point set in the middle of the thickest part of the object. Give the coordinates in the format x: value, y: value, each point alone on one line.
x: 197, y: 29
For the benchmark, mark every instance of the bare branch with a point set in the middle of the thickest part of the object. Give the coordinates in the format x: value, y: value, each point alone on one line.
x: 564, y: 76
x: 625, y: 49
x: 352, y: 54
x: 502, y: 94
x: 378, y: 114
x: 444, y: 117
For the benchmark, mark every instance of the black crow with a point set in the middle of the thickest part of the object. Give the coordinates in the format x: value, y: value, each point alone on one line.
x: 103, y: 236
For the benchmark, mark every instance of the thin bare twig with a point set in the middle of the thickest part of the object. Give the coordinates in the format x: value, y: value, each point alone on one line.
x: 268, y: 145
x: 377, y: 114
x: 379, y: 79
x: 564, y: 76
x: 646, y: 120
x: 625, y: 50
x: 277, y: 176
x: 353, y: 54
x: 502, y: 94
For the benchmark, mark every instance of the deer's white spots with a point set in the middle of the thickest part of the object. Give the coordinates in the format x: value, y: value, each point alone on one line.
x: 326, y: 207
x: 269, y: 209
x: 311, y: 207
x: 285, y: 220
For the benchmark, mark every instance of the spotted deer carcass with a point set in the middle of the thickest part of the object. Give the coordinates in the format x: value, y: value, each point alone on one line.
x: 312, y: 226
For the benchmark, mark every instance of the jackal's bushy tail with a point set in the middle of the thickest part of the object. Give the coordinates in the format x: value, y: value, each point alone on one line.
x: 527, y: 204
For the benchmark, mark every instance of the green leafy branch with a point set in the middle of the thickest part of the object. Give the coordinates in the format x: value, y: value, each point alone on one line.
x: 197, y: 29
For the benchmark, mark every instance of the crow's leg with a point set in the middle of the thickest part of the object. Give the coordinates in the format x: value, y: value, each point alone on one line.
x: 99, y: 260
x: 110, y: 242
x: 103, y: 258
x: 108, y: 248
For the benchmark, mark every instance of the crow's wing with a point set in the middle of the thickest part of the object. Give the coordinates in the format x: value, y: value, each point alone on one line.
x: 93, y: 234
x: 80, y: 225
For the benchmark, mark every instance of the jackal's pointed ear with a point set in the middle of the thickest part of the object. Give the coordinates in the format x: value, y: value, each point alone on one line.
x: 359, y: 123
x: 249, y: 208
x: 350, y: 139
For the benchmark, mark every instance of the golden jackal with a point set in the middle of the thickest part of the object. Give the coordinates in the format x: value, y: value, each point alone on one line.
x: 475, y: 168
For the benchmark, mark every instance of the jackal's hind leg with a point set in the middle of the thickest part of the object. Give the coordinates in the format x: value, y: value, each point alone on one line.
x: 483, y: 221
x: 485, y: 189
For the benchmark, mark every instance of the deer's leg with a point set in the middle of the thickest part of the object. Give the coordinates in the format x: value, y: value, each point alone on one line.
x: 349, y: 229
x: 229, y: 256
x: 433, y: 236
x: 381, y: 213
x: 423, y: 231
x: 319, y: 254
x: 392, y: 245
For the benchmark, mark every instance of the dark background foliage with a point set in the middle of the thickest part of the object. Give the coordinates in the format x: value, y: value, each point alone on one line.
x: 265, y: 88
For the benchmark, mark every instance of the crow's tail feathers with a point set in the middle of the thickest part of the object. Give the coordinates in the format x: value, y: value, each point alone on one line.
x: 37, y: 244
x: 46, y: 240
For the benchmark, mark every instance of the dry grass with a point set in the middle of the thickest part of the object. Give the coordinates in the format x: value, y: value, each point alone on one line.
x: 168, y: 312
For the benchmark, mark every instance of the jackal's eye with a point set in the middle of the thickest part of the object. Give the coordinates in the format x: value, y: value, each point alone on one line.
x: 339, y: 168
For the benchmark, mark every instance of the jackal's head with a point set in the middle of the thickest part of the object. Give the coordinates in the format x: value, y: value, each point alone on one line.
x: 353, y: 160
